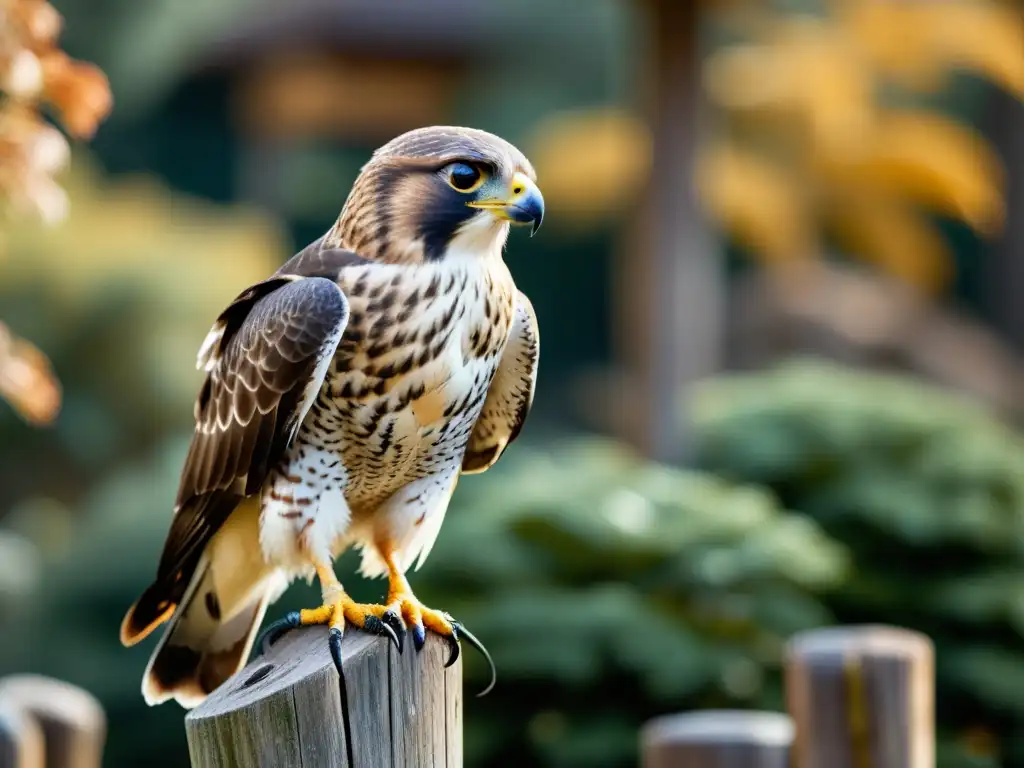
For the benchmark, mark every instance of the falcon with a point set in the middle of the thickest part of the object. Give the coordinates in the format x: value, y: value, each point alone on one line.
x: 343, y: 399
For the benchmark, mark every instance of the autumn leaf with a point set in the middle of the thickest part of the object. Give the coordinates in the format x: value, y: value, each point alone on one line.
x: 35, y: 75
x: 26, y: 380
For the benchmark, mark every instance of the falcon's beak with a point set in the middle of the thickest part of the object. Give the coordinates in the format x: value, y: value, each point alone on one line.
x: 523, y: 204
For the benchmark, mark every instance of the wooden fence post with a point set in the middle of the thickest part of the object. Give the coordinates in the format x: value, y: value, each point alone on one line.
x: 717, y: 739
x: 70, y: 720
x: 862, y: 697
x: 289, y: 709
x: 21, y: 738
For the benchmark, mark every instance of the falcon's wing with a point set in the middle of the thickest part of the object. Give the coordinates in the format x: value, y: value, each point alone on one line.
x: 510, y: 395
x: 266, y: 357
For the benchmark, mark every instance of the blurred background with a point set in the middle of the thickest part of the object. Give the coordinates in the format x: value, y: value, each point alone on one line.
x: 781, y: 289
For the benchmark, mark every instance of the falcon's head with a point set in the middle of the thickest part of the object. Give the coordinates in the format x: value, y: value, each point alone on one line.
x: 439, y: 192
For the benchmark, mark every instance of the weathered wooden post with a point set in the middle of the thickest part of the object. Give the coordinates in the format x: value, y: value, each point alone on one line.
x: 290, y: 710
x: 21, y: 738
x: 70, y: 721
x: 717, y: 739
x: 862, y: 697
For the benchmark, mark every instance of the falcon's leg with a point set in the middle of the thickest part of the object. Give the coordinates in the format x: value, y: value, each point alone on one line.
x: 402, y: 602
x: 299, y: 520
x: 403, y: 533
x: 337, y: 609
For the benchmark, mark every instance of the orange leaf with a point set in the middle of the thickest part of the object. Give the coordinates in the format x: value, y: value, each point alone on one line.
x: 80, y: 91
x: 27, y: 381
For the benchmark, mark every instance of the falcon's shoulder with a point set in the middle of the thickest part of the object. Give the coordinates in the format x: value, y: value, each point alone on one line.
x: 321, y: 260
x: 510, y: 395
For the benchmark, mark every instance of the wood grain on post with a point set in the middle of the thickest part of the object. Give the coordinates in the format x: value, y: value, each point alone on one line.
x: 288, y: 709
x: 862, y: 697
x: 717, y: 739
x: 71, y: 720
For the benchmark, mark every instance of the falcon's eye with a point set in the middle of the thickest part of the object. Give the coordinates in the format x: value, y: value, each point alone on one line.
x: 464, y: 177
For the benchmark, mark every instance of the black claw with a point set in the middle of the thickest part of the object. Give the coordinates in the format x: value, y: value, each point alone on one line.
x: 276, y: 630
x: 334, y: 641
x: 375, y: 626
x: 419, y: 636
x: 394, y: 621
x: 453, y: 645
x: 461, y: 631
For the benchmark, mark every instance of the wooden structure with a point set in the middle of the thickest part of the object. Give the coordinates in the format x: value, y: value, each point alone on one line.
x: 668, y: 296
x: 859, y: 697
x: 297, y: 69
x: 289, y: 708
x: 47, y: 723
x: 716, y: 739
x: 862, y: 696
x: 679, y: 301
x: 1003, y: 269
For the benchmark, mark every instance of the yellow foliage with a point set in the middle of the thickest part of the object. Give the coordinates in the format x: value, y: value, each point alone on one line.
x: 35, y: 74
x: 895, y: 239
x: 809, y: 89
x: 917, y: 44
x: 756, y: 201
x: 590, y: 162
x: 924, y: 158
x: 135, y: 230
x: 809, y: 70
x: 26, y: 380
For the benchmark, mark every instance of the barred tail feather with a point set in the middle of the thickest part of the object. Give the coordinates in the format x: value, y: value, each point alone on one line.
x: 213, y: 616
x: 153, y: 608
x: 201, y: 648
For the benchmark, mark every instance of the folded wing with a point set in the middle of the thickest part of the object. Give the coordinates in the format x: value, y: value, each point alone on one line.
x: 265, y: 358
x: 510, y: 395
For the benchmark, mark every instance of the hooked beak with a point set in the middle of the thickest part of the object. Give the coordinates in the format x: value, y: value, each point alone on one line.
x: 524, y: 203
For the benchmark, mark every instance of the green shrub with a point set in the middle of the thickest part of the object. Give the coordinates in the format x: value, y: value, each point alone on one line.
x: 926, y: 489
x: 610, y: 589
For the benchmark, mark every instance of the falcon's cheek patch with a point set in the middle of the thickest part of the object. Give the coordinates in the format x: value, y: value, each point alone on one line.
x: 423, y: 214
x: 441, y: 219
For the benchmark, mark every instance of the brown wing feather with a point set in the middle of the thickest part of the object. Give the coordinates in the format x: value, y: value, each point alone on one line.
x: 263, y: 377
x: 260, y: 360
x: 266, y: 359
x: 510, y: 395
